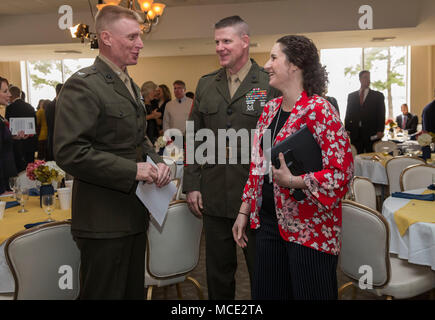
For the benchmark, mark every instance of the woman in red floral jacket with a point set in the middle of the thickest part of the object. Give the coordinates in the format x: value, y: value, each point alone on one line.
x: 297, y: 242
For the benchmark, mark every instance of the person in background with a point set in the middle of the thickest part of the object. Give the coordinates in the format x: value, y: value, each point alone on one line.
x: 365, y: 115
x: 428, y: 118
x: 163, y: 96
x: 297, y: 242
x: 190, y: 95
x: 100, y: 139
x: 50, y: 110
x: 177, y: 110
x: 41, y: 128
x: 407, y: 120
x: 148, y: 91
x: 7, y: 163
x: 25, y: 146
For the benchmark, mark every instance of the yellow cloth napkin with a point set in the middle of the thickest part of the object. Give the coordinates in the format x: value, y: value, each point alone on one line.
x: 415, y: 211
x: 13, y: 221
x: 378, y: 156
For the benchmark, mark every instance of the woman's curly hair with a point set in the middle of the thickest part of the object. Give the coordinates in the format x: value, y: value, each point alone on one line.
x: 302, y: 52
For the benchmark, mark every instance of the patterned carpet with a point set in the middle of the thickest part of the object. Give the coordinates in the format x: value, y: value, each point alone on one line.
x: 243, y: 290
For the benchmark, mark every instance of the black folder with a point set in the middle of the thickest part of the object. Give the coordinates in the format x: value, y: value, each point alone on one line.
x: 301, y: 153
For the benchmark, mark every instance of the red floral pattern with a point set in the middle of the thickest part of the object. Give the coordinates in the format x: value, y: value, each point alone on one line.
x: 315, y: 221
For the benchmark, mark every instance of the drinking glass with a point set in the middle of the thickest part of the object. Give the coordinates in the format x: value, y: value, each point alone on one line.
x: 13, y: 184
x: 48, y: 204
x: 22, y: 196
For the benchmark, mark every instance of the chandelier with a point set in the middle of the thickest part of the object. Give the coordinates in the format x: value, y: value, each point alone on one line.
x: 149, y: 11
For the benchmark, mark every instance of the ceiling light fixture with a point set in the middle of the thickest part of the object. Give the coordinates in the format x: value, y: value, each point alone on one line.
x: 150, y: 13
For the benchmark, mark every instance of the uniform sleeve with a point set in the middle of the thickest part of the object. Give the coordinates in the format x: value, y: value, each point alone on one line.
x: 328, y: 186
x: 77, y: 117
x: 192, y: 170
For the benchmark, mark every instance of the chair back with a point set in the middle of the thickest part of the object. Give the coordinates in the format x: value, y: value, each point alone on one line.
x: 384, y: 146
x: 416, y: 176
x: 44, y: 262
x: 365, y: 242
x: 353, y: 149
x: 394, y: 168
x: 173, y: 249
x: 172, y: 165
x: 363, y: 192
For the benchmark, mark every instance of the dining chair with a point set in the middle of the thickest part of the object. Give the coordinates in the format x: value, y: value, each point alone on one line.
x: 45, y: 262
x: 173, y: 249
x: 417, y: 176
x: 394, y: 168
x: 366, y: 260
x: 177, y: 183
x: 363, y: 191
x: 384, y: 146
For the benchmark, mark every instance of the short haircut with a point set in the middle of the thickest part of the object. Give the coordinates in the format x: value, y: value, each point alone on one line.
x: 362, y: 73
x: 58, y: 88
x: 179, y: 82
x: 147, y: 87
x: 235, y: 22
x: 110, y: 14
x: 15, y: 92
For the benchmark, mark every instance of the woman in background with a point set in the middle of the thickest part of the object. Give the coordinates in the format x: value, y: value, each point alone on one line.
x: 163, y: 96
x: 41, y: 125
x: 7, y: 163
x: 297, y: 242
x: 148, y: 91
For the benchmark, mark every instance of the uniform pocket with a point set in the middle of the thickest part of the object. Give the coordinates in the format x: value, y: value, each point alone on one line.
x: 121, y: 122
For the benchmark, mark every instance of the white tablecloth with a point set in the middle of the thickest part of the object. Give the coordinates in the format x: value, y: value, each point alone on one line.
x: 372, y: 169
x: 418, y: 243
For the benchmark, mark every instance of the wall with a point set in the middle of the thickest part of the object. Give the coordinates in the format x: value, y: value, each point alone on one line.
x: 422, y: 78
x: 11, y: 71
x: 166, y: 70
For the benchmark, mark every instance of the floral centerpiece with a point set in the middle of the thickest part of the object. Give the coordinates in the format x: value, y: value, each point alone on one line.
x: 45, y: 173
x: 390, y: 124
x: 162, y: 142
x: 425, y: 139
x: 164, y: 146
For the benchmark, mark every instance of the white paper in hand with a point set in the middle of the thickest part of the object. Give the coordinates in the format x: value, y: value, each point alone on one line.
x: 155, y: 199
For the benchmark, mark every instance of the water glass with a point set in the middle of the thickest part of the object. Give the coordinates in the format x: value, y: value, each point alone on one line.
x: 48, y: 205
x: 22, y: 196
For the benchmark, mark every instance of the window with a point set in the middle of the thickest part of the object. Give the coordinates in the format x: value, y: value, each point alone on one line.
x: 388, y: 70
x: 39, y: 78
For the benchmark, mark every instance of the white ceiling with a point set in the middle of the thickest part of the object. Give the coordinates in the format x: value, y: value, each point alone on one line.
x: 422, y: 34
x: 17, y: 7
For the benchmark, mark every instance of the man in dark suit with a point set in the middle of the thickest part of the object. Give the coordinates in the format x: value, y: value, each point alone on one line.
x: 49, y: 116
x: 428, y: 117
x: 24, y: 146
x: 99, y: 138
x: 365, y: 115
x: 407, y: 121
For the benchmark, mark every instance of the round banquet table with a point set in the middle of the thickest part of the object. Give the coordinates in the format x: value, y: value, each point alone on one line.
x: 417, y: 245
